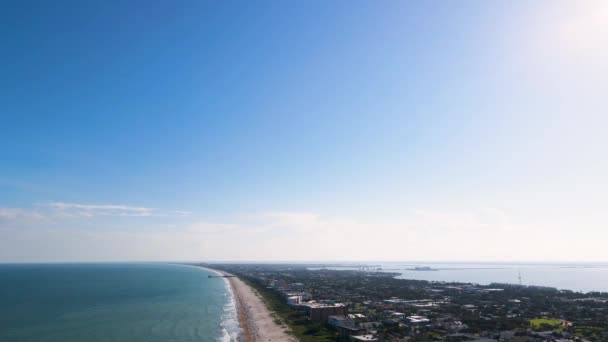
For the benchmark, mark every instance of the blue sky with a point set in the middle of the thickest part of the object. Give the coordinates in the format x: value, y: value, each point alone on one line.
x: 198, y: 130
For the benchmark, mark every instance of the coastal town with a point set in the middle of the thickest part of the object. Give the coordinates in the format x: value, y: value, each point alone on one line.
x: 316, y: 304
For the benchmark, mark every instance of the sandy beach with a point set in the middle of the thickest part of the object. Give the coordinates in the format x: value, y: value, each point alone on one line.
x: 255, y: 319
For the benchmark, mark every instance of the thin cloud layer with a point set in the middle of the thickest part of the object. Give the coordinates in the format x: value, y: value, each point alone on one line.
x: 428, y: 234
x: 49, y: 213
x: 92, y: 210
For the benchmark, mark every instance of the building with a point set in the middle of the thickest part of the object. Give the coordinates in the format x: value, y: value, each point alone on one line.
x: 453, y: 326
x: 318, y: 312
x: 345, y: 326
x: 304, y: 296
x: 362, y: 338
x: 340, y: 321
x: 418, y: 320
x: 356, y: 316
x: 294, y: 300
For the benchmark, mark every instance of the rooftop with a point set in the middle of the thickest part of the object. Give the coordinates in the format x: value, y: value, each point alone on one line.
x: 364, y: 338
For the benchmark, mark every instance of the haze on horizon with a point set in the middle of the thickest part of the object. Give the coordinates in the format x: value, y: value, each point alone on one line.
x: 370, y: 130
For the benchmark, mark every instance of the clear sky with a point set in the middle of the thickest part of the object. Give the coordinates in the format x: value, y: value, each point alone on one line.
x: 310, y: 130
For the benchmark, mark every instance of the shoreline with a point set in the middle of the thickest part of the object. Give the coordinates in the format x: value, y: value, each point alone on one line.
x: 255, y: 319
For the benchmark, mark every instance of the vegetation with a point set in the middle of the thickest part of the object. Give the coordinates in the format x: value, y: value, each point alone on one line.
x: 545, y: 323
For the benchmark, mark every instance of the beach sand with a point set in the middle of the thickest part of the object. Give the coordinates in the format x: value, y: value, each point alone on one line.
x: 254, y: 317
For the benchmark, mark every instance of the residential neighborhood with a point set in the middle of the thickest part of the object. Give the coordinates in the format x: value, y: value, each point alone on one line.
x: 369, y: 305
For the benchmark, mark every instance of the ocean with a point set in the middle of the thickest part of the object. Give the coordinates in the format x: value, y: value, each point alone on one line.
x: 566, y: 276
x: 114, y: 302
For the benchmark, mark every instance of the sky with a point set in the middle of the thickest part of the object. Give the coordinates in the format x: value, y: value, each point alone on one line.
x: 303, y: 131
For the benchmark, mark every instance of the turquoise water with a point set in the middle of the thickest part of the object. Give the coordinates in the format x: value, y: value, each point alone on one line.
x: 113, y: 302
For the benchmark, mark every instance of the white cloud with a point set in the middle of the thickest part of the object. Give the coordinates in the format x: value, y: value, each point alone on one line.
x: 92, y: 210
x: 9, y: 213
x: 10, y: 217
x: 54, y: 212
x: 210, y: 228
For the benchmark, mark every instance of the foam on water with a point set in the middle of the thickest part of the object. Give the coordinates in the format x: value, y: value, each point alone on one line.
x: 231, y: 330
x: 230, y: 326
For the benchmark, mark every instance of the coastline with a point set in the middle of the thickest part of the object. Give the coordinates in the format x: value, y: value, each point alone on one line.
x: 255, y: 319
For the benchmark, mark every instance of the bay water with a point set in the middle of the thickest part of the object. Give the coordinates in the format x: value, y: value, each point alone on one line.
x: 580, y: 277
